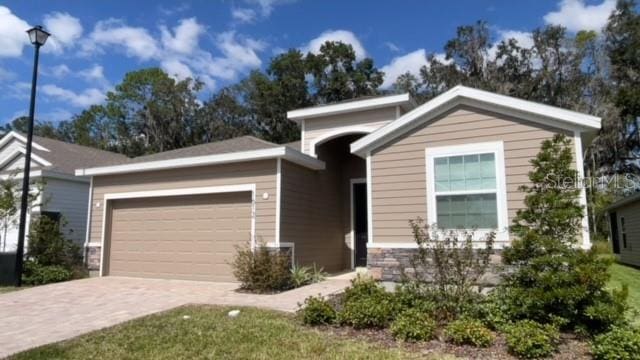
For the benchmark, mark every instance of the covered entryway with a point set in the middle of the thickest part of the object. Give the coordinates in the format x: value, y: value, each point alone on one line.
x: 187, y: 237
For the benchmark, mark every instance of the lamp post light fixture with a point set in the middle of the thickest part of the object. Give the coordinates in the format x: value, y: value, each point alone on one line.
x: 38, y: 36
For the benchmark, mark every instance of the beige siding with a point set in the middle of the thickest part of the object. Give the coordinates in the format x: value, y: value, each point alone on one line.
x: 399, y: 168
x: 630, y: 254
x: 371, y: 120
x: 310, y: 216
x: 262, y: 173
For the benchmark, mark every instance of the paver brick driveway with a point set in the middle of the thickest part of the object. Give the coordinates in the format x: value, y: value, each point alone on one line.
x: 51, y: 313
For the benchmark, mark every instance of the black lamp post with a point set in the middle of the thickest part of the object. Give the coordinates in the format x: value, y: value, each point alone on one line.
x: 38, y: 37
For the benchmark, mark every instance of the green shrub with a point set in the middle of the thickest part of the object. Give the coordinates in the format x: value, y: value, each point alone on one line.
x: 621, y: 343
x: 528, y: 339
x: 410, y: 296
x: 366, y: 305
x: 468, y: 332
x: 305, y: 275
x: 36, y: 274
x: 448, y: 265
x: 262, y: 270
x: 48, y: 246
x: 491, y: 310
x: 317, y: 311
x: 413, y: 325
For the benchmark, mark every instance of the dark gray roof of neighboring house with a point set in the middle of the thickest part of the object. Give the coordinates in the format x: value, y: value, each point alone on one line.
x: 243, y: 143
x: 625, y: 201
x: 66, y: 158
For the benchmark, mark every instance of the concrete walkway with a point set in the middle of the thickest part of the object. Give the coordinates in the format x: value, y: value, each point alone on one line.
x: 51, y: 313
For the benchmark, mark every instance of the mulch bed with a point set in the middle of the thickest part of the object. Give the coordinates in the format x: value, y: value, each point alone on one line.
x: 570, y: 348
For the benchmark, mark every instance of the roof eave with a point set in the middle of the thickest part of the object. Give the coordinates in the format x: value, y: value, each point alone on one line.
x: 404, y: 100
x: 217, y: 159
x: 461, y: 95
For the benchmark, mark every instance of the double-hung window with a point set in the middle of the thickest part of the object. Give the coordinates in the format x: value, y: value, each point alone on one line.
x: 466, y: 186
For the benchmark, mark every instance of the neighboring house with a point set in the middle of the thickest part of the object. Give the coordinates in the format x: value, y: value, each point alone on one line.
x: 53, y: 164
x: 624, y: 224
x: 340, y: 198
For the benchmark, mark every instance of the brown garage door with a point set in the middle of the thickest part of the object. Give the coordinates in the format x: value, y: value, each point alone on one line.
x: 178, y: 237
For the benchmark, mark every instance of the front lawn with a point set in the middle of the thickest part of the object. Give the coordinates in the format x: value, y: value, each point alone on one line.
x: 622, y: 274
x: 207, y: 332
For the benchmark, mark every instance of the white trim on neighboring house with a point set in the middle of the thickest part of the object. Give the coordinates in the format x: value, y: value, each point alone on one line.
x: 528, y: 110
x: 350, y: 106
x: 586, y: 238
x: 89, y: 210
x: 278, y: 198
x: 176, y: 192
x: 284, y: 152
x: 355, y: 129
x: 369, y: 202
x: 20, y: 150
x: 302, y: 136
x: 48, y: 174
x: 352, y: 245
x: 495, y: 147
x: 14, y: 135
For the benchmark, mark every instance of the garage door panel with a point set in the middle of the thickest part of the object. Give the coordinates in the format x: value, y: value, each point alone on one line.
x: 181, y: 237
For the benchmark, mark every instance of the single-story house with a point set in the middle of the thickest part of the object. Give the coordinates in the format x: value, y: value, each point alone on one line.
x: 63, y: 196
x: 340, y: 198
x: 624, y: 227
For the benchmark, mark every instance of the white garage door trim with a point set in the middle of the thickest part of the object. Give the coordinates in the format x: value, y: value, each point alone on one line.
x: 177, y: 192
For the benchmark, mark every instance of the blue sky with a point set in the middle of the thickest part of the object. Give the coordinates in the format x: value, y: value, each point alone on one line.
x: 95, y: 43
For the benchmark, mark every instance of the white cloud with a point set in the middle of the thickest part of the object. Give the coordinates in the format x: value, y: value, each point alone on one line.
x: 65, y: 31
x: 6, y: 74
x: 56, y: 71
x: 344, y: 36
x: 391, y: 46
x: 238, y: 55
x: 523, y: 38
x: 411, y: 62
x: 575, y: 15
x: 185, y: 36
x: 56, y: 115
x: 13, y: 37
x: 83, y: 99
x: 267, y: 6
x: 176, y: 68
x: 243, y: 15
x: 137, y: 41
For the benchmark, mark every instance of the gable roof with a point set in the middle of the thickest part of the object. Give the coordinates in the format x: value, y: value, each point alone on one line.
x: 351, y: 105
x: 529, y: 110
x: 244, y: 148
x: 61, y: 157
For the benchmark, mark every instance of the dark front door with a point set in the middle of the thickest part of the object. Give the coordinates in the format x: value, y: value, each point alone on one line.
x: 615, y: 240
x: 360, y: 223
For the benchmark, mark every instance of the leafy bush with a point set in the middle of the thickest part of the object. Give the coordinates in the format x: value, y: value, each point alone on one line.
x: 50, y: 256
x: 36, y: 274
x: 554, y: 279
x: 262, y: 270
x: 491, y: 310
x: 530, y: 340
x: 304, y: 275
x: 366, y: 305
x: 317, y: 311
x: 410, y: 296
x: 621, y: 343
x: 448, y: 266
x: 468, y: 332
x: 48, y: 246
x: 413, y: 325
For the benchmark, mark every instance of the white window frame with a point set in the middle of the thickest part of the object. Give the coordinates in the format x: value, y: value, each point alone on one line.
x: 497, y: 148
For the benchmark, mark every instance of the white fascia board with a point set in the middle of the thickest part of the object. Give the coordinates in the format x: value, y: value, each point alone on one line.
x: 273, y: 153
x: 461, y: 94
x: 357, y: 105
x: 23, y: 151
x: 15, y: 135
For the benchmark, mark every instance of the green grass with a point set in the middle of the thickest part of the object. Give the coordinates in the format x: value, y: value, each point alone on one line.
x: 621, y: 274
x: 210, y: 334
